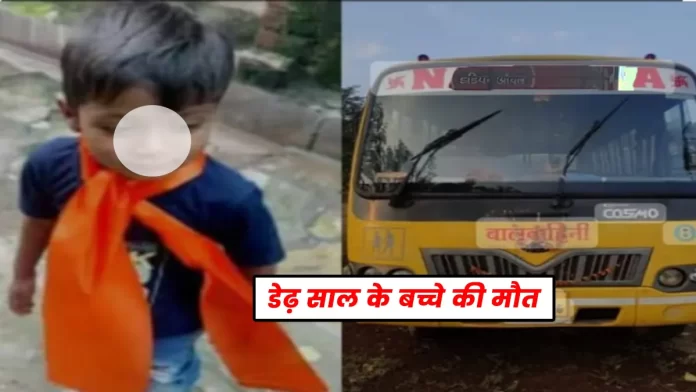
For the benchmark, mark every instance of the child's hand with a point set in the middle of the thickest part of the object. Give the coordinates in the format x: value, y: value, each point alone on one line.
x: 21, y: 296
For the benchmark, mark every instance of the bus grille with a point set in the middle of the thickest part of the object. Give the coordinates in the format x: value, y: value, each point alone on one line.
x: 621, y: 267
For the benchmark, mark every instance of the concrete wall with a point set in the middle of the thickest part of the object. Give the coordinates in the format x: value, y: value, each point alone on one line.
x: 281, y: 120
x: 245, y: 107
x: 36, y: 34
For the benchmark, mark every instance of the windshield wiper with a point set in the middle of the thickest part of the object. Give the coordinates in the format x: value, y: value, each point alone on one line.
x: 560, y: 201
x: 397, y: 199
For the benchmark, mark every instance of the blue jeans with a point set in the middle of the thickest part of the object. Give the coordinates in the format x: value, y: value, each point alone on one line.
x: 175, y: 367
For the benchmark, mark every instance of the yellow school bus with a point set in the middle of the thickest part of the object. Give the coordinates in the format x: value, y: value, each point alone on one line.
x: 465, y: 167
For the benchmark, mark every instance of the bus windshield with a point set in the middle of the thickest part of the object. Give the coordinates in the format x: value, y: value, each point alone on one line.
x: 525, y: 146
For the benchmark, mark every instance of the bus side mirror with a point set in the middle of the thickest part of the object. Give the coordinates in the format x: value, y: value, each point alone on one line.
x: 690, y: 158
x: 689, y: 147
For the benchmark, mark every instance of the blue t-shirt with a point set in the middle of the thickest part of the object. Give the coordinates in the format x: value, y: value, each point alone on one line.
x: 220, y: 204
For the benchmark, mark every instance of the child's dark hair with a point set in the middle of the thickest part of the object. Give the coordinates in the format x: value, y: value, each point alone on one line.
x: 152, y: 44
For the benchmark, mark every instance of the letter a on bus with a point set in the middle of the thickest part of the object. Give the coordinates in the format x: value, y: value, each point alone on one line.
x: 647, y: 76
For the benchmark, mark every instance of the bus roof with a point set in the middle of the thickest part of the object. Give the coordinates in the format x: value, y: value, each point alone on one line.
x: 552, y: 57
x: 400, y: 73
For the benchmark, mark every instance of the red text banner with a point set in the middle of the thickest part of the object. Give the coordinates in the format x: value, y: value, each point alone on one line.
x: 402, y: 298
x: 536, y: 78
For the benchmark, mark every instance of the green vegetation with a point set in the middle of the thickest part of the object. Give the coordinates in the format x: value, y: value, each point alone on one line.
x: 351, y: 110
x: 352, y: 105
x: 377, y: 154
x: 31, y: 8
x: 65, y: 12
x: 313, y: 42
x: 239, y: 24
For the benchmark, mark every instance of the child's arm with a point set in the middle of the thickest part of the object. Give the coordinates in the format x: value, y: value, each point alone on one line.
x: 37, y: 226
x: 40, y: 213
x: 33, y: 241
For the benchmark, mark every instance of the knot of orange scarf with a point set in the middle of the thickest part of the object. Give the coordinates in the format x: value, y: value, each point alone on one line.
x: 97, y: 325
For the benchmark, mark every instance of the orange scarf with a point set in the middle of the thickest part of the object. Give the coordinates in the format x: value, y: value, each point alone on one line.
x: 97, y: 325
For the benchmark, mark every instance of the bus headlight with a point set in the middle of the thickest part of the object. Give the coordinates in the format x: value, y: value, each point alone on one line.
x: 370, y: 271
x: 347, y: 270
x: 671, y: 277
x: 692, y: 276
x: 401, y: 272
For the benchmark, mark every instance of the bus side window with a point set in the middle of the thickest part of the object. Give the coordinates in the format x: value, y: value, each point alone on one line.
x: 676, y: 119
x: 689, y: 130
x: 673, y: 118
x: 690, y: 111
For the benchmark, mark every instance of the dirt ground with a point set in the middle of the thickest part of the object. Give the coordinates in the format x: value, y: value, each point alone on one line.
x: 379, y: 358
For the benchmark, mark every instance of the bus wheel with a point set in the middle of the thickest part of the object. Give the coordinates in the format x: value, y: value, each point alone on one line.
x: 658, y: 334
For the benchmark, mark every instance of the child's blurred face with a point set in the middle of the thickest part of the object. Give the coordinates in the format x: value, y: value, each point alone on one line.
x: 96, y: 122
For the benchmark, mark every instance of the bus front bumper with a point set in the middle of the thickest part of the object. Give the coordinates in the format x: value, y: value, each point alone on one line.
x: 600, y: 307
